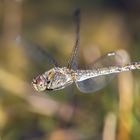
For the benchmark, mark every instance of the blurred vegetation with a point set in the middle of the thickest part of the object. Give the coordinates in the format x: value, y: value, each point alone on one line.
x: 109, y: 114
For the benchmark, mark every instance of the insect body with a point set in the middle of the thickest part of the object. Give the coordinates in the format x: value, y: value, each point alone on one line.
x: 58, y: 78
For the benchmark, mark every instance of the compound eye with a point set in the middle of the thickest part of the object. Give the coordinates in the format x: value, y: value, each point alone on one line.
x: 39, y: 83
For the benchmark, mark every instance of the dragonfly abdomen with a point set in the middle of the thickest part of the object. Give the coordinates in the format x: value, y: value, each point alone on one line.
x: 86, y: 74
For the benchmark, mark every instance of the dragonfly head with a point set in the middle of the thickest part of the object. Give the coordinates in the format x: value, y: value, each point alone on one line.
x: 39, y: 83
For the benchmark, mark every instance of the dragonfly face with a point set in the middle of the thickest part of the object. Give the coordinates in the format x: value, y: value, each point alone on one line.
x: 39, y: 83
x: 43, y: 82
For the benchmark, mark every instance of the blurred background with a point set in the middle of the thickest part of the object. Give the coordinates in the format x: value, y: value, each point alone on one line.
x: 113, y: 113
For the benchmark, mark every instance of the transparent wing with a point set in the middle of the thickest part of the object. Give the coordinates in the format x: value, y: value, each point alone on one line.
x: 72, y: 63
x: 35, y: 52
x: 95, y: 84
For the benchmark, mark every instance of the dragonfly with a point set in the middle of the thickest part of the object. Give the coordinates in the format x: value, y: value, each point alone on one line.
x: 96, y: 75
